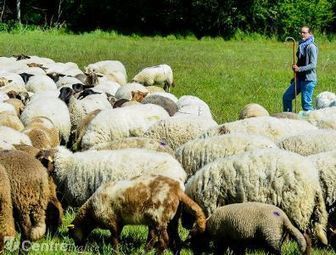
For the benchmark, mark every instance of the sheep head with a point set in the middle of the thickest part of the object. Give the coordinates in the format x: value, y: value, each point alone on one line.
x: 138, y: 95
x: 46, y: 157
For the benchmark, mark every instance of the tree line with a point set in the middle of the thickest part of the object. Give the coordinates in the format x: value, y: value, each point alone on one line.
x: 199, y: 17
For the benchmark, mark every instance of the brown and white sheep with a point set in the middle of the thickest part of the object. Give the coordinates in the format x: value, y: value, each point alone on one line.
x: 42, y: 133
x: 7, y: 228
x: 150, y: 200
x: 32, y: 193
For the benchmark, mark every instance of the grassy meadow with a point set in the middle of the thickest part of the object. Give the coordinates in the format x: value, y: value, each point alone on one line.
x: 225, y: 74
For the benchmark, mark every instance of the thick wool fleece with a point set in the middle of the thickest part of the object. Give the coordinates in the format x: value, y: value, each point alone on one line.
x: 272, y: 176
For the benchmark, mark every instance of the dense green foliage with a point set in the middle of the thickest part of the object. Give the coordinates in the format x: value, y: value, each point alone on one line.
x: 209, y: 17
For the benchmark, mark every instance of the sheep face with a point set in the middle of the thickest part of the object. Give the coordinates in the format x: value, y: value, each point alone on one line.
x: 46, y: 157
x: 138, y: 95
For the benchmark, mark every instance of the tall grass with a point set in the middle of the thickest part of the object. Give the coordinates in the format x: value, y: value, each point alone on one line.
x: 225, y: 74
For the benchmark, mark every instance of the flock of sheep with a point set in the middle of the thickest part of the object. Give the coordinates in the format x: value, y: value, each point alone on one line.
x: 133, y: 153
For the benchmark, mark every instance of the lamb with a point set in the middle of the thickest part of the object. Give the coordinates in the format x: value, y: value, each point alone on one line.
x: 42, y: 133
x: 125, y: 92
x: 252, y: 110
x: 40, y: 83
x: 193, y: 106
x: 11, y: 136
x: 150, y: 200
x: 177, y: 130
x: 252, y: 224
x: 30, y: 191
x: 306, y: 144
x: 169, y: 105
x: 135, y: 142
x: 51, y: 108
x: 272, y: 176
x: 79, y: 175
x: 7, y: 228
x: 121, y: 122
x: 160, y: 74
x: 271, y: 127
x: 324, y: 99
x: 196, y: 153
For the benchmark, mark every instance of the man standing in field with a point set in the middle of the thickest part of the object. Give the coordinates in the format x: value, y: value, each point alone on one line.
x: 305, y: 70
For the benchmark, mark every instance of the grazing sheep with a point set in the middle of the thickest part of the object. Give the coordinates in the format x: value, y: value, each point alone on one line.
x: 11, y: 136
x: 7, y: 228
x: 248, y: 225
x: 121, y: 122
x: 135, y: 142
x: 271, y: 127
x: 149, y: 200
x: 125, y: 92
x: 312, y: 142
x: 196, y: 153
x: 160, y: 74
x: 324, y: 99
x: 79, y: 175
x: 107, y: 67
x: 193, y: 106
x: 252, y: 110
x: 169, y: 105
x: 271, y: 176
x: 11, y: 120
x: 39, y: 83
x: 177, y: 131
x: 42, y: 133
x: 51, y: 108
x: 30, y: 192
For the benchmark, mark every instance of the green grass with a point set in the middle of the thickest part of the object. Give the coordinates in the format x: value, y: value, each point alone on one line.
x: 225, y: 74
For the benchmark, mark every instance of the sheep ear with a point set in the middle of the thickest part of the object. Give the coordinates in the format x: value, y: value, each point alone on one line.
x: 9, y: 81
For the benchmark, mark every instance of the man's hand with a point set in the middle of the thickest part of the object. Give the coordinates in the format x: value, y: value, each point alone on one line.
x: 295, y: 68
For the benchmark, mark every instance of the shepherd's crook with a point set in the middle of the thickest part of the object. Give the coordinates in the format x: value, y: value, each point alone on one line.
x: 293, y: 63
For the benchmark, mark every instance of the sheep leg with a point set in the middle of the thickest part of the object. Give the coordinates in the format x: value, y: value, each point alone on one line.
x: 115, y: 230
x: 38, y: 218
x: 25, y: 227
x: 151, y: 239
x: 174, y: 238
x: 166, y: 86
x: 54, y: 215
x: 163, y: 239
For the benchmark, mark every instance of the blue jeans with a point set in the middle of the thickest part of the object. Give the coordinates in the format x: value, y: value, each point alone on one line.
x: 306, y: 88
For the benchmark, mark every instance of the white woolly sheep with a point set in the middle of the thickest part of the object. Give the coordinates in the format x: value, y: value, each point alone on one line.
x: 80, y: 108
x: 193, y: 106
x: 271, y: 127
x: 154, y: 89
x: 196, y: 153
x: 312, y: 142
x: 7, y: 108
x: 66, y: 81
x: 7, y: 228
x: 324, y: 99
x: 249, y: 225
x: 125, y: 92
x: 135, y: 142
x: 113, y: 70
x: 271, y: 176
x: 11, y: 136
x: 14, y: 82
x: 51, y: 108
x: 252, y: 110
x: 150, y: 200
x: 176, y: 131
x: 80, y: 174
x: 121, y: 122
x: 40, y: 83
x: 160, y: 74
